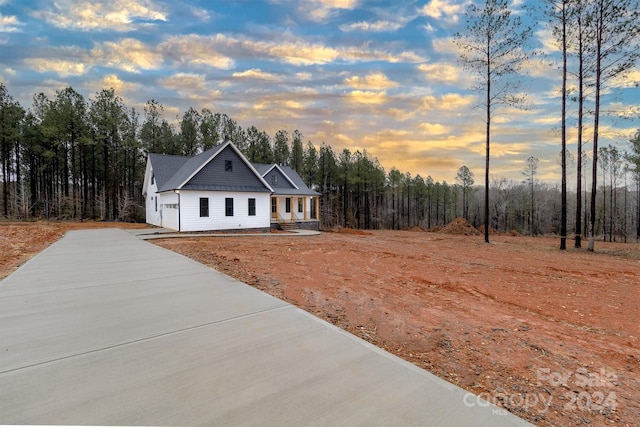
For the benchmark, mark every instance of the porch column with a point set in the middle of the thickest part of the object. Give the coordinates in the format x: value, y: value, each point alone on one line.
x: 318, y: 208
x: 277, y: 209
x: 304, y: 207
x: 292, y: 207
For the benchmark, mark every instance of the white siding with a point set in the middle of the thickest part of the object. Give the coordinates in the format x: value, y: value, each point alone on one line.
x: 190, y: 219
x: 154, y: 216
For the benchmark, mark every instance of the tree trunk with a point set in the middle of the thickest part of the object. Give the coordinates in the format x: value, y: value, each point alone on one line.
x: 563, y: 214
x: 486, y: 168
x: 594, y: 169
x: 578, y: 228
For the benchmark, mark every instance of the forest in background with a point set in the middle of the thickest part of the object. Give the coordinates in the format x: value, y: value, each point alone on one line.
x: 72, y: 158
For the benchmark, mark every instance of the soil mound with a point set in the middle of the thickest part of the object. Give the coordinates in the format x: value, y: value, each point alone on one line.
x: 460, y: 226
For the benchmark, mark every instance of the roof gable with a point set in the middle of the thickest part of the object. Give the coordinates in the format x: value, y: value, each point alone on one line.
x: 199, y: 173
x: 278, y: 179
x: 227, y: 170
x: 289, y: 182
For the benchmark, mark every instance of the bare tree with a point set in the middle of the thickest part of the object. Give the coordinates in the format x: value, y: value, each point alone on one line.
x: 492, y: 48
x: 579, y: 32
x: 559, y: 12
x: 634, y: 161
x: 530, y: 172
x: 616, y: 48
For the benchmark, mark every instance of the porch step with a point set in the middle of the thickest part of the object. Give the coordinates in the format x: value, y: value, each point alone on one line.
x: 288, y: 226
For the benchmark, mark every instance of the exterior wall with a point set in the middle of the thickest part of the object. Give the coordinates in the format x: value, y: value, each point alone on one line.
x: 153, y: 215
x: 190, y: 219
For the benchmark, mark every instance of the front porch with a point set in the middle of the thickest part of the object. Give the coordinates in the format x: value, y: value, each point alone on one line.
x: 295, y: 212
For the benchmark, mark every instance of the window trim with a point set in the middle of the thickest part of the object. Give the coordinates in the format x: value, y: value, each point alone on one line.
x: 228, y: 165
x: 251, y: 207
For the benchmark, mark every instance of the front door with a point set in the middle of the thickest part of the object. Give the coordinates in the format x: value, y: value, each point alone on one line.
x: 274, y: 208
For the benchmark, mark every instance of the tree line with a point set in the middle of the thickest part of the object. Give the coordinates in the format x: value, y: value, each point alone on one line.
x: 73, y: 158
x: 599, y: 43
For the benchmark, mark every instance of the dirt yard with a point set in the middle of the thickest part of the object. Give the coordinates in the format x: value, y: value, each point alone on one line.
x: 19, y: 241
x: 552, y: 337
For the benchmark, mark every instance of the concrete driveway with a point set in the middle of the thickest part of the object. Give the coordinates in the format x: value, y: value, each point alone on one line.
x: 103, y: 328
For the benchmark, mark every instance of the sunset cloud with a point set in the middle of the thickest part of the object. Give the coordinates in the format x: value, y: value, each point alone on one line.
x: 184, y: 82
x: 112, y: 81
x: 375, y: 81
x: 433, y: 129
x: 382, y: 76
x: 322, y: 10
x: 61, y: 67
x: 367, y: 97
x: 9, y: 24
x: 113, y: 15
x: 374, y: 26
x: 446, y: 73
x: 127, y: 54
x: 448, y: 11
x: 255, y: 73
x: 197, y: 50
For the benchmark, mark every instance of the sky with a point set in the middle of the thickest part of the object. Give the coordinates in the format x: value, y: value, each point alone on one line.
x: 375, y: 75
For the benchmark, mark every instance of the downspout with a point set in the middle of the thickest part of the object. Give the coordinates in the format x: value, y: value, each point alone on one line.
x: 179, y: 209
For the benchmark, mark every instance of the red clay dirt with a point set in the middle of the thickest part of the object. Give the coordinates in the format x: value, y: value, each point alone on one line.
x: 551, y: 336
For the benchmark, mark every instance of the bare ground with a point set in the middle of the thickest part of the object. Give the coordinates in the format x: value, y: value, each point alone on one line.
x: 551, y: 336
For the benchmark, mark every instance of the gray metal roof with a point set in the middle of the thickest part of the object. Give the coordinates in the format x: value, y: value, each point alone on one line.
x: 262, y: 168
x: 302, y: 190
x: 188, y: 168
x: 173, y: 172
x: 165, y: 167
x: 293, y: 176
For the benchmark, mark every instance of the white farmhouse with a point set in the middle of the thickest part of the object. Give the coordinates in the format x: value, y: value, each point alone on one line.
x: 220, y: 189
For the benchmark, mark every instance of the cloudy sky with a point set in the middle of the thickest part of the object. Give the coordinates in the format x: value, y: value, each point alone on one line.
x: 380, y: 75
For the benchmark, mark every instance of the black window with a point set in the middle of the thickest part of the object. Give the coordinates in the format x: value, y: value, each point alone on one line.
x: 300, y: 205
x: 228, y: 206
x: 252, y: 207
x: 204, y: 207
x: 153, y: 178
x: 274, y: 205
x: 228, y: 166
x: 288, y: 205
x: 274, y: 179
x: 313, y: 208
x: 156, y: 204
